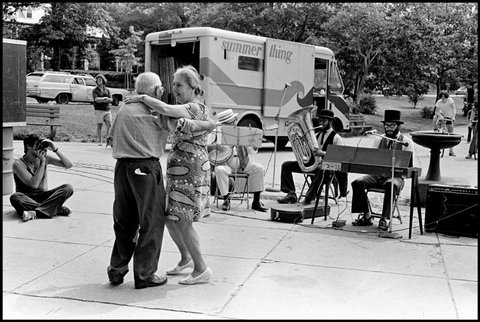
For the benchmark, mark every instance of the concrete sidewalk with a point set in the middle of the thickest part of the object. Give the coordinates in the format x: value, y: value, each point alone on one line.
x: 56, y: 269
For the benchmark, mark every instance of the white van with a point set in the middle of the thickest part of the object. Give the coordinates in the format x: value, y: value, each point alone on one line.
x: 257, y: 77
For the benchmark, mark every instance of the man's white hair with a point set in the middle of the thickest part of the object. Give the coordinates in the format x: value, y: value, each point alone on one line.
x: 146, y: 83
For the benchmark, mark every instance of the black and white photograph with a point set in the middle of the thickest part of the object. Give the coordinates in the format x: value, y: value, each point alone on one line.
x: 240, y: 160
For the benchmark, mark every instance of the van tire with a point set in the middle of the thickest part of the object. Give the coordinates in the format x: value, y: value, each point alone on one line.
x: 246, y: 121
x: 62, y: 98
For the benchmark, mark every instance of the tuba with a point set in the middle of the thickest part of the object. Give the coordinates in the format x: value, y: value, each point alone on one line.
x: 301, y: 134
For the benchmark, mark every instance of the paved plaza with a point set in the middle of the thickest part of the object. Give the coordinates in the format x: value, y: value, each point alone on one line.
x: 56, y: 268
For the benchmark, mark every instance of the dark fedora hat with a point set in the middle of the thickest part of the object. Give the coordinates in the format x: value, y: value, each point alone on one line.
x: 325, y: 114
x: 392, y: 116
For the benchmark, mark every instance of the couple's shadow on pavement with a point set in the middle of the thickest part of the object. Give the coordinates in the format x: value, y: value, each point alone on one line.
x: 109, y: 298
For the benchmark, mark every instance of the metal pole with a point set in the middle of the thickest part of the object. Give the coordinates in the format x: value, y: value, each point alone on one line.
x: 273, y: 189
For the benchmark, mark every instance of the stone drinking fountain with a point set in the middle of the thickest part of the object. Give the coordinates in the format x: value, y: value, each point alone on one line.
x: 435, y: 141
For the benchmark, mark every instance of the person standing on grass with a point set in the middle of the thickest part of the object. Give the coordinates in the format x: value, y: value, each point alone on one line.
x: 32, y: 198
x: 101, y: 104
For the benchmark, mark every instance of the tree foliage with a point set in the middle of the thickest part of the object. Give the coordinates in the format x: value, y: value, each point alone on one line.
x: 126, y: 53
x: 402, y: 46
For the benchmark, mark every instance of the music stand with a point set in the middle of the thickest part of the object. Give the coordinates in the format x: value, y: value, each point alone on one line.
x: 234, y: 135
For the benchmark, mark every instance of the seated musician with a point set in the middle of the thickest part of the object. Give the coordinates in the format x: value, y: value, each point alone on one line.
x: 239, y: 163
x: 391, y: 126
x: 326, y: 136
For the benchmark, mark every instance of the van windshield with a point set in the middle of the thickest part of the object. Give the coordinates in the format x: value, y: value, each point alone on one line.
x: 335, y: 84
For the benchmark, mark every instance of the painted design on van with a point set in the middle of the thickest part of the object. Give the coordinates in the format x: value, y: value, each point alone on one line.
x: 243, y: 95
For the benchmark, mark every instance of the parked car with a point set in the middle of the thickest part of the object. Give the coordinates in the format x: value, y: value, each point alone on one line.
x: 461, y: 91
x: 65, y: 87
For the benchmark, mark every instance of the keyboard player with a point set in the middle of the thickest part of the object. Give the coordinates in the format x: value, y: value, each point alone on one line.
x: 392, y: 124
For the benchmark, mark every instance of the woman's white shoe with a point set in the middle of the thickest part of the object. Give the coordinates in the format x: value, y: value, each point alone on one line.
x: 190, y: 280
x: 178, y: 269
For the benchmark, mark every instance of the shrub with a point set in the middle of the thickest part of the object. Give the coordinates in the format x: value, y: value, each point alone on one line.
x: 426, y: 112
x: 367, y: 104
x: 416, y: 91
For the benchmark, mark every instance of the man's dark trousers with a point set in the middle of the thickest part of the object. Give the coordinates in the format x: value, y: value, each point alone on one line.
x: 139, y: 202
x: 360, y: 198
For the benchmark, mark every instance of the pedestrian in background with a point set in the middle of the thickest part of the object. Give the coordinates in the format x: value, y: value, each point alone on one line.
x: 101, y: 104
x: 188, y: 170
x: 472, y: 117
x: 445, y: 110
x: 473, y: 148
x: 32, y: 198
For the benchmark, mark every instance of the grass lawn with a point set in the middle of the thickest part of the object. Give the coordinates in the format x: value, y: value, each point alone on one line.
x: 78, y: 123
x: 411, y: 117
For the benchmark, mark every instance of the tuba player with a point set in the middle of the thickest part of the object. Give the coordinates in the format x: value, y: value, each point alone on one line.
x: 326, y: 136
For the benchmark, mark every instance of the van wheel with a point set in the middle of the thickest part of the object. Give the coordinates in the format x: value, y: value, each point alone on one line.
x: 116, y: 100
x: 62, y: 98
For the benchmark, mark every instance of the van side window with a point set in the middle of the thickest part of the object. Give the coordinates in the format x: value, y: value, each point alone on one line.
x: 249, y: 63
x: 335, y: 84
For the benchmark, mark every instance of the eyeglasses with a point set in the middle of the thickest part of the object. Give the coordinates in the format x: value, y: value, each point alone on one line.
x: 391, y: 125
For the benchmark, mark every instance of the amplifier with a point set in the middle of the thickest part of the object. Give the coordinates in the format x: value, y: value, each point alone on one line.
x: 452, y: 210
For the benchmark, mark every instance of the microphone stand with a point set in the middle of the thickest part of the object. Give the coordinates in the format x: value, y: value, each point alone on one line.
x: 390, y: 234
x: 273, y: 189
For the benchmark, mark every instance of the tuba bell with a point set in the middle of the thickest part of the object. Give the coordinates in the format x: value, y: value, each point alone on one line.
x: 301, y: 134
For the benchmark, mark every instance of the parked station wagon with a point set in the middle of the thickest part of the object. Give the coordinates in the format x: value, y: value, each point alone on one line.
x: 64, y: 87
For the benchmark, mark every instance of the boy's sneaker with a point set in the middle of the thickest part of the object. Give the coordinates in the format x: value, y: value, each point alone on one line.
x: 29, y: 215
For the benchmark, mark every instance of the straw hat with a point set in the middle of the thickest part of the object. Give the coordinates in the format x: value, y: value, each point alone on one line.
x: 226, y: 116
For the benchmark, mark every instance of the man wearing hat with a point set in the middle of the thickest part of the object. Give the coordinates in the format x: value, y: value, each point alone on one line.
x: 326, y: 136
x: 391, y: 126
x: 240, y: 162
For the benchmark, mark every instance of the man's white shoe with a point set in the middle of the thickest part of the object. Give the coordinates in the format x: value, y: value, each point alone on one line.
x: 29, y: 215
x: 178, y: 269
x: 204, y: 277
